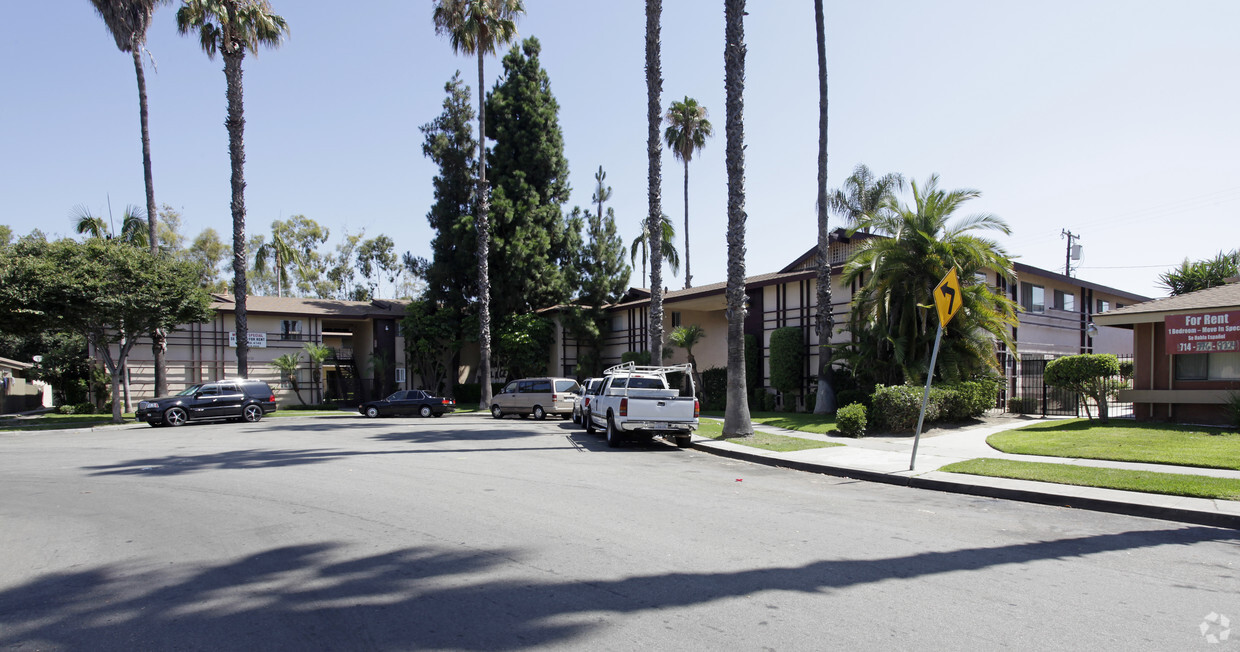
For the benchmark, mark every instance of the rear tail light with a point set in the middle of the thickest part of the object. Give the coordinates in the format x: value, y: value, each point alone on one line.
x: 271, y: 399
x: 624, y: 407
x: 586, y: 402
x: 554, y: 398
x: 446, y: 402
x: 697, y: 409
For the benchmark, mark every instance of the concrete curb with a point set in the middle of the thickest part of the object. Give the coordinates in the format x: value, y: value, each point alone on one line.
x: 1166, y: 513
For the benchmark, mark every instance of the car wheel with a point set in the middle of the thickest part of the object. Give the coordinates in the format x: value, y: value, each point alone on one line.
x: 175, y: 416
x: 156, y: 424
x: 576, y: 417
x: 613, y: 434
x: 496, y: 412
x: 539, y: 413
x: 683, y: 441
x: 252, y: 413
x: 425, y: 411
x: 589, y: 422
x: 372, y: 412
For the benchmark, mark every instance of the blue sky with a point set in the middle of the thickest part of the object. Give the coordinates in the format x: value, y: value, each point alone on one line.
x: 1113, y: 119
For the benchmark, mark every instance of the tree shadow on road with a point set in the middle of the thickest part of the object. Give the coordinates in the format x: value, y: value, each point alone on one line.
x: 321, y: 597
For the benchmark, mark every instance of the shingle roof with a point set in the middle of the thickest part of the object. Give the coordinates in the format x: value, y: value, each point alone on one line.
x: 319, y: 307
x: 1215, y: 298
x: 672, y: 296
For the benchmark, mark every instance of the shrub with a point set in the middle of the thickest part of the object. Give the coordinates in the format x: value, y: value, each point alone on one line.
x: 311, y: 406
x: 1233, y: 409
x: 469, y: 394
x: 850, y: 420
x: 641, y: 358
x: 753, y: 362
x: 1023, y: 405
x: 768, y: 402
x: 77, y: 408
x: 715, y: 388
x: 787, y: 350
x: 1126, y: 368
x: 896, y: 407
x: 968, y: 399
x: 1086, y: 374
x: 850, y: 396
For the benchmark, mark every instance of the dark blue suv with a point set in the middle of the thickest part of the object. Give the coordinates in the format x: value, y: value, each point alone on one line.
x: 234, y: 400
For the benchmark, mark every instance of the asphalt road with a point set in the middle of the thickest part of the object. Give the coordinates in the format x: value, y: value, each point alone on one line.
x: 474, y: 534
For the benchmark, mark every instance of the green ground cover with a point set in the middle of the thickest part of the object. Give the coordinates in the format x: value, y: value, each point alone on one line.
x: 819, y: 424
x: 766, y: 441
x: 58, y: 421
x: 1174, y: 484
x: 1125, y: 441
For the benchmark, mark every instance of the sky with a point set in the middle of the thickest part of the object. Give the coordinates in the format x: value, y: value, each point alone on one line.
x: 1112, y: 119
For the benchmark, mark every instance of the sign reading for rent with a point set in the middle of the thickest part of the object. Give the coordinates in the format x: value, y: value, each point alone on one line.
x: 1205, y: 332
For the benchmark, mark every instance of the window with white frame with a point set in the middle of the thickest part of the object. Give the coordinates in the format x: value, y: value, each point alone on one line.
x: 1103, y: 306
x: 1065, y: 301
x: 1207, y: 366
x: 400, y: 374
x: 290, y: 329
x: 1033, y: 297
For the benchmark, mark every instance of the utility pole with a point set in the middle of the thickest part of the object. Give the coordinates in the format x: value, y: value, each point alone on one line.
x: 1072, y: 253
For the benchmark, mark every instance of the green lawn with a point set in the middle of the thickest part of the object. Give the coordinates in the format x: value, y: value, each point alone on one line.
x: 1174, y: 484
x: 59, y: 421
x: 765, y: 441
x: 1125, y: 441
x: 820, y: 424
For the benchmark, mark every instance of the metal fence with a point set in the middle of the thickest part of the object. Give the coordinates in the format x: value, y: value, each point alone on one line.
x: 1034, y: 396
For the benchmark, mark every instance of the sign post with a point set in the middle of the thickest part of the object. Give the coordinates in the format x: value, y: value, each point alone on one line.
x: 947, y: 300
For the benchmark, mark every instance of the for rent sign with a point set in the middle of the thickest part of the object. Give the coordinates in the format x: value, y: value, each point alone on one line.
x: 1203, y: 333
x: 256, y: 340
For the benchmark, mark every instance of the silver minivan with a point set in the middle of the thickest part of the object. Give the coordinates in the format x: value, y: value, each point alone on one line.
x: 536, y: 396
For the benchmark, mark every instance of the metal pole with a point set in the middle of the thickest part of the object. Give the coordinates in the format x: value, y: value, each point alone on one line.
x: 925, y: 397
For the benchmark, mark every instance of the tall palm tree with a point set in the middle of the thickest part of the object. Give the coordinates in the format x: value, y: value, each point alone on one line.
x: 687, y: 131
x: 231, y: 27
x: 281, y: 254
x: 736, y: 422
x: 127, y: 21
x: 478, y: 27
x: 863, y: 194
x: 825, y: 322
x: 893, y: 307
x: 641, y: 245
x: 654, y: 155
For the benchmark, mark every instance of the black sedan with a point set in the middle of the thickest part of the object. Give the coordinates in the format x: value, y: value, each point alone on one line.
x: 406, y: 403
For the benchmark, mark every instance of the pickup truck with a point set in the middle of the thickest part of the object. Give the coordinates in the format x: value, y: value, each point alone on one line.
x: 636, y: 400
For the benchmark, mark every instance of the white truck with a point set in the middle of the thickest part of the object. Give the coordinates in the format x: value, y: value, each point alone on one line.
x: 637, y: 400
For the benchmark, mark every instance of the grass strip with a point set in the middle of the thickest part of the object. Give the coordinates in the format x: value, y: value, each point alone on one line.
x: 763, y: 440
x: 1172, y: 484
x: 1129, y: 441
x: 815, y: 423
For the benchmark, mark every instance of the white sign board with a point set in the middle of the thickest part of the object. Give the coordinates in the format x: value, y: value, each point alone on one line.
x: 256, y: 340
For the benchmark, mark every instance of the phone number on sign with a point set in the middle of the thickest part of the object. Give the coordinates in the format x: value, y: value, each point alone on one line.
x: 1208, y: 347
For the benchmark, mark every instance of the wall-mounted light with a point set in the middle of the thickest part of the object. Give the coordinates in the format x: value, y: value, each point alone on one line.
x: 1092, y: 329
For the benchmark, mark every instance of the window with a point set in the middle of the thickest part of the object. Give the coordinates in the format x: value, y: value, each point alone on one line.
x: 675, y: 320
x: 567, y: 386
x: 290, y: 329
x: 1033, y: 297
x: 1207, y: 366
x: 1103, y: 306
x: 980, y: 277
x: 1065, y: 301
x: 400, y: 374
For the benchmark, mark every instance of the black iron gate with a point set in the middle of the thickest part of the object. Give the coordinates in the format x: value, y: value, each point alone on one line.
x: 1034, y: 396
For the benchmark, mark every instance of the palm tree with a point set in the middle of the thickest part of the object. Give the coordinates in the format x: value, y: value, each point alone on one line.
x: 825, y: 322
x: 862, y: 194
x: 640, y: 245
x: 654, y: 155
x: 287, y: 365
x: 893, y: 307
x: 282, y: 255
x: 478, y: 27
x: 318, y: 354
x: 687, y: 337
x: 232, y: 27
x: 736, y: 422
x: 127, y: 21
x: 133, y: 225
x: 687, y: 131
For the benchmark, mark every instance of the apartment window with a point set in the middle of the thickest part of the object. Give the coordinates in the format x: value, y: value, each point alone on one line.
x: 675, y: 320
x: 400, y: 329
x: 1103, y: 306
x: 1033, y: 297
x: 1065, y: 301
x: 290, y: 329
x: 980, y: 277
x: 400, y: 374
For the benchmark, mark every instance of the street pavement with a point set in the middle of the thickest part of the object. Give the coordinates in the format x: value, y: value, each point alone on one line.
x: 887, y: 459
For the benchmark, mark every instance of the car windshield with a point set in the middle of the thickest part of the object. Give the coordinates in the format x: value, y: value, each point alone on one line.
x: 189, y: 391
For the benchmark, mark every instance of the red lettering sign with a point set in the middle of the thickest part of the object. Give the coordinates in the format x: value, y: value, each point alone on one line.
x: 1204, y: 332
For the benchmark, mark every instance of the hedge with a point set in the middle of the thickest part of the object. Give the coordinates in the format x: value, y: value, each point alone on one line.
x: 850, y: 420
x: 786, y: 364
x: 714, y: 388
x: 471, y: 393
x: 896, y: 407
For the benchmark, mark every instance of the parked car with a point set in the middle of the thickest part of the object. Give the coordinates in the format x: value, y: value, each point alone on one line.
x: 536, y: 396
x: 235, y: 400
x: 637, y: 400
x: 408, y: 402
x: 581, y: 407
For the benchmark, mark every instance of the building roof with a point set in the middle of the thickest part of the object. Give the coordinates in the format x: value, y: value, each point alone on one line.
x: 313, y: 307
x: 1022, y: 268
x: 1221, y: 297
x: 14, y: 364
x: 674, y: 296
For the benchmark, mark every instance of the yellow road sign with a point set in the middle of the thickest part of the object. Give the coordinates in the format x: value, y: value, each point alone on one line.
x: 947, y: 297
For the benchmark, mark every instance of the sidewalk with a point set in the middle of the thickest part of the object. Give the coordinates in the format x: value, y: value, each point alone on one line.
x: 886, y: 459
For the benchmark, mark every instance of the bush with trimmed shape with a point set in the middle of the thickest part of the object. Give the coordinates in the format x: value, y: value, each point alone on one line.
x: 850, y: 420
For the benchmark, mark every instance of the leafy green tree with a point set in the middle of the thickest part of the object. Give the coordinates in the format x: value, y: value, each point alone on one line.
x: 64, y: 362
x: 168, y: 231
x: 736, y: 422
x: 687, y: 337
x: 523, y: 344
x: 1086, y: 374
x: 824, y: 323
x: 207, y: 251
x: 686, y: 133
x: 641, y: 245
x: 654, y: 171
x: 281, y: 256
x: 604, y: 275
x: 531, y: 238
x: 133, y: 225
x: 376, y: 260
x: 127, y: 22
x: 892, y: 314
x: 287, y: 365
x: 109, y: 293
x: 477, y: 27
x: 6, y: 235
x: 432, y: 346
x: 1191, y: 276
x: 342, y: 270
x: 231, y: 27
